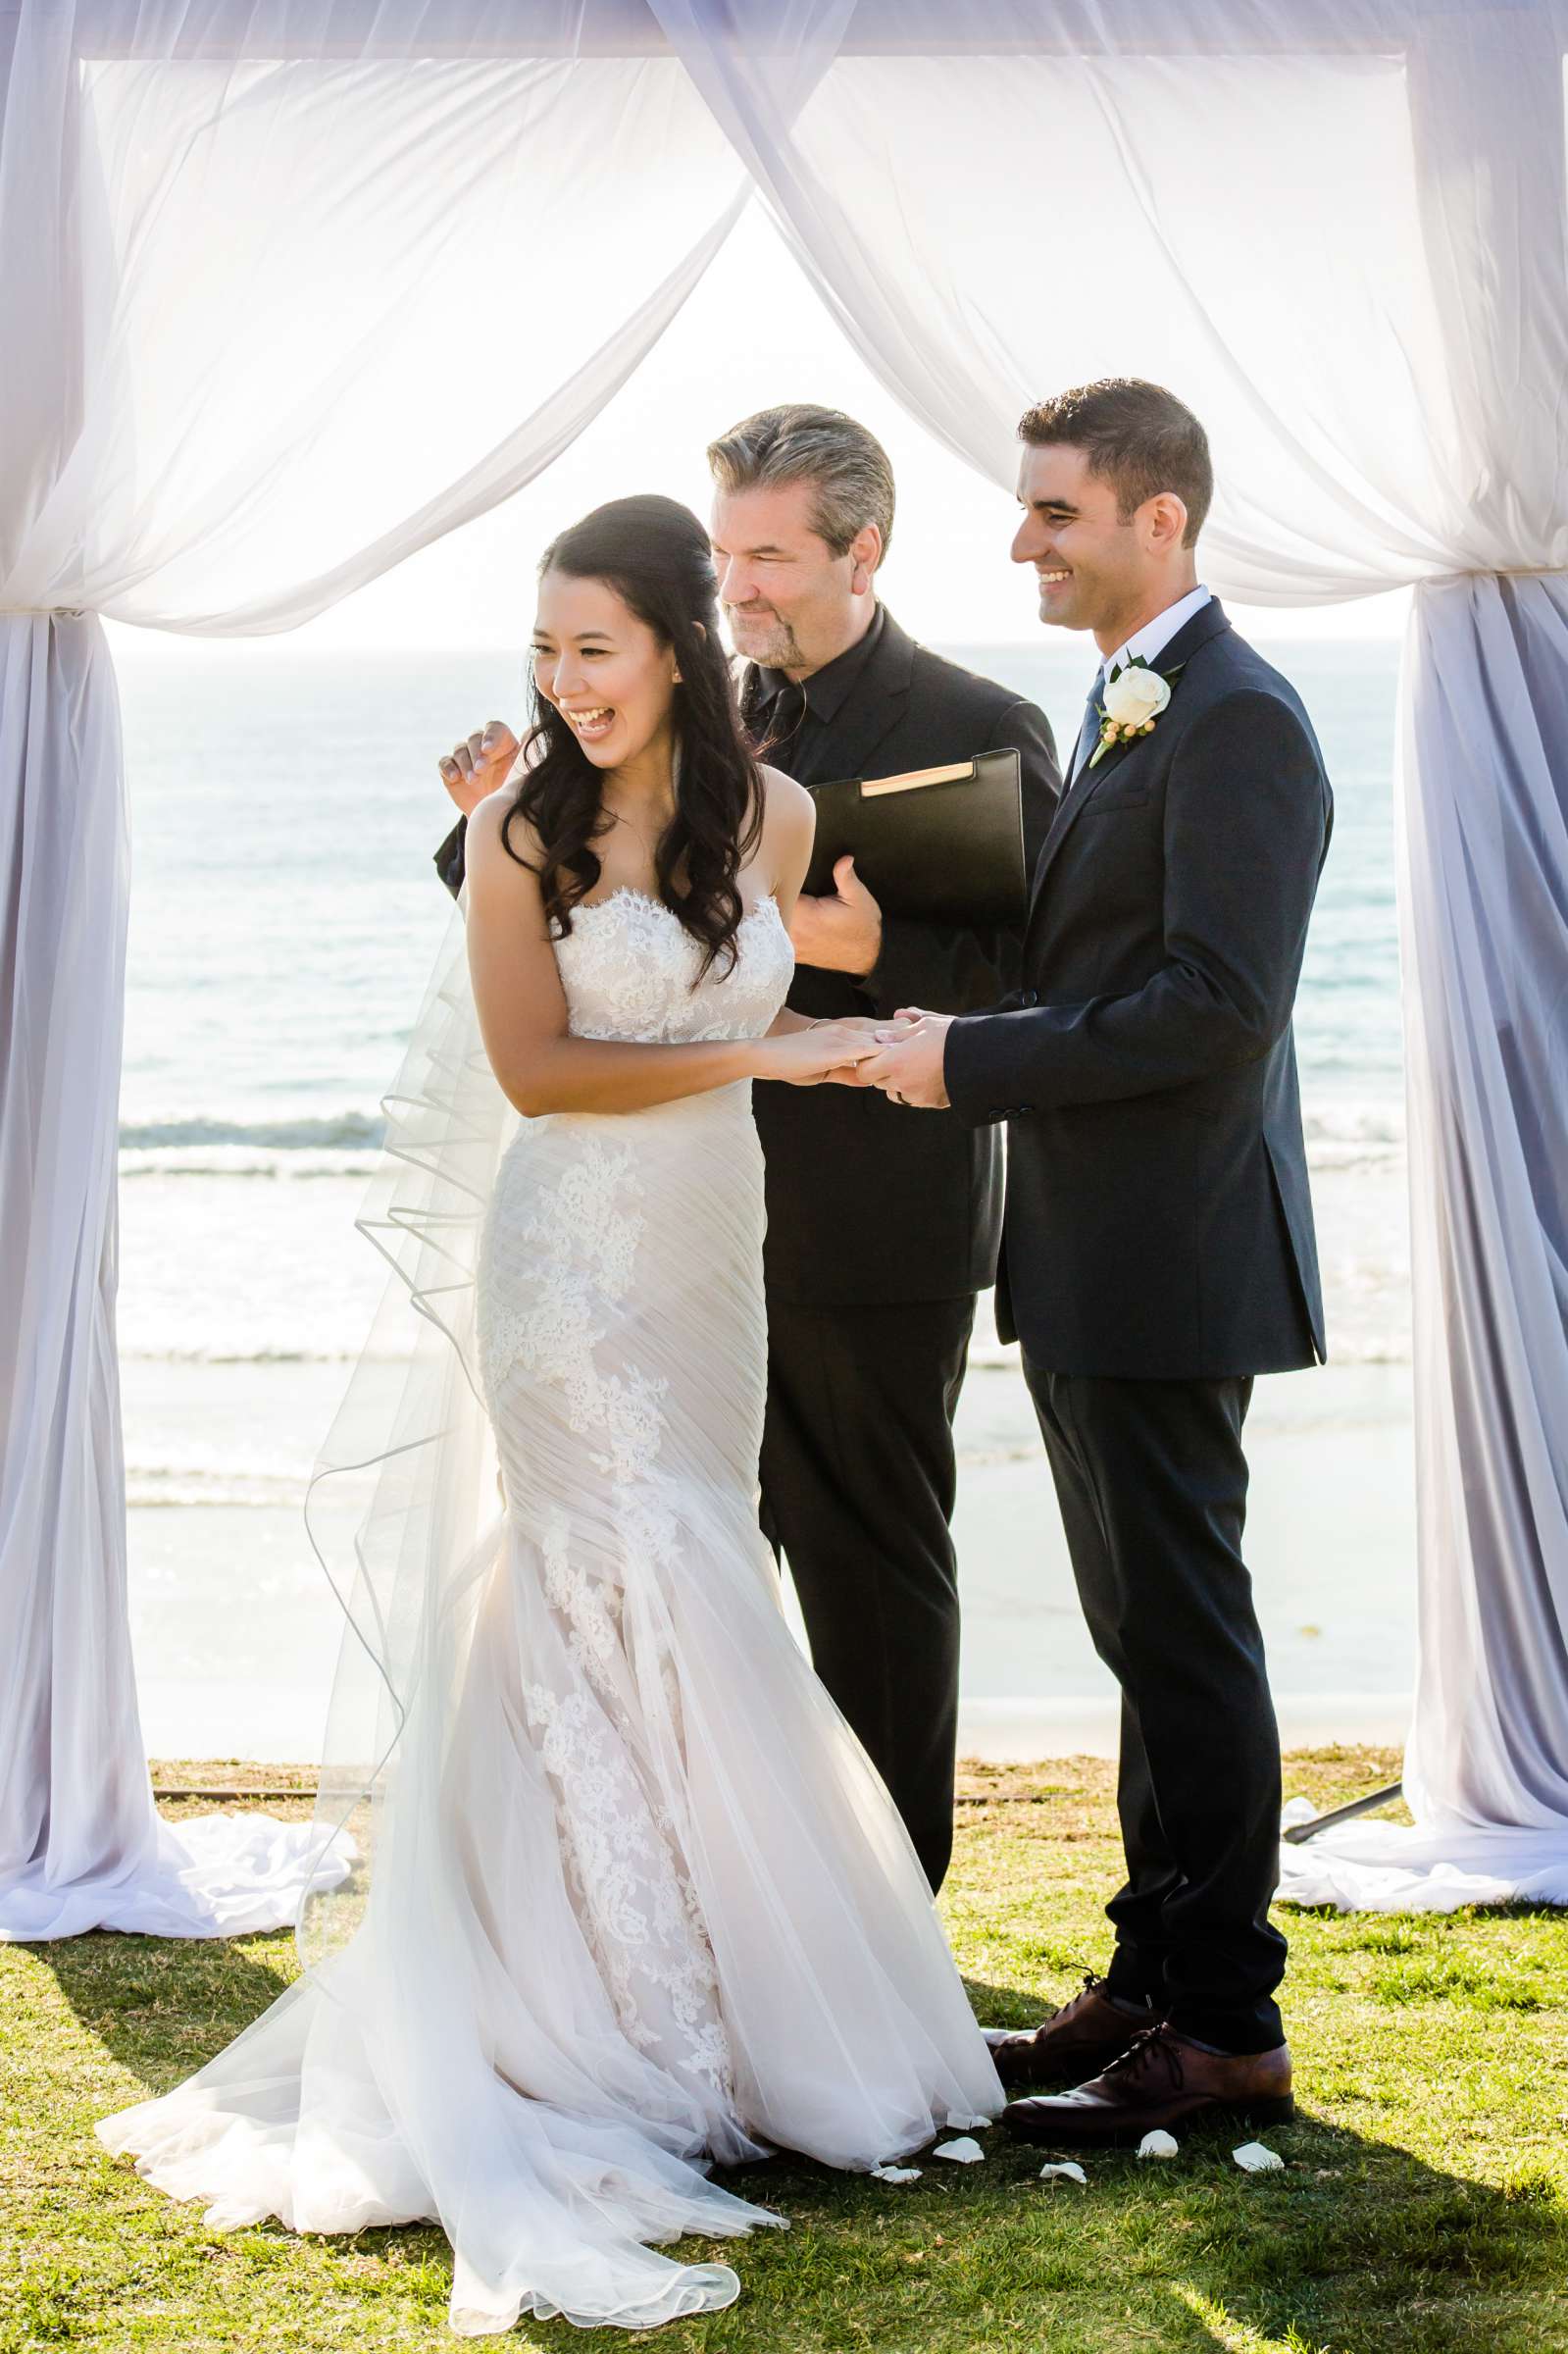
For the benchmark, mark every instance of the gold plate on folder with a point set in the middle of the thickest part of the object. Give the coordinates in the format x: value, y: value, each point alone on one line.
x: 918, y: 777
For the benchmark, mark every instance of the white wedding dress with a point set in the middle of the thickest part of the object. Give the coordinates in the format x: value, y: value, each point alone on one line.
x: 639, y: 1902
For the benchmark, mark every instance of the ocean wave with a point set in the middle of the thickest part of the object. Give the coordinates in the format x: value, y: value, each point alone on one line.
x: 191, y: 1473
x: 341, y: 1146
x: 197, y: 1354
x: 1354, y: 1122
x: 1355, y: 1135
x: 343, y: 1131
x: 348, y: 1136
x: 240, y: 1161
x: 1389, y: 1345
x: 162, y: 1491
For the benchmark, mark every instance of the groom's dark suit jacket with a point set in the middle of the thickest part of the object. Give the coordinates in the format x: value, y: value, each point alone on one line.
x: 1158, y: 1221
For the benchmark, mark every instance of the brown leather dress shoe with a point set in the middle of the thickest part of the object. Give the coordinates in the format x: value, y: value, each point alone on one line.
x: 1162, y: 2082
x: 1075, y: 2043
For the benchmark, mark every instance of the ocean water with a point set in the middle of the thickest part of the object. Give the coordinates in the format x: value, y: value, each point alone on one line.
x: 285, y: 915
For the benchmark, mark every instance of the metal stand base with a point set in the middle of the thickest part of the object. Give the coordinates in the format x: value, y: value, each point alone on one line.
x: 1301, y: 1832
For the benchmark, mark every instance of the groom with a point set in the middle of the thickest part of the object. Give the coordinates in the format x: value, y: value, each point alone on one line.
x: 1158, y: 1249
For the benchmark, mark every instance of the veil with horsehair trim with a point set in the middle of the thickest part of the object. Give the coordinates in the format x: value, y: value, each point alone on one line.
x: 403, y: 1509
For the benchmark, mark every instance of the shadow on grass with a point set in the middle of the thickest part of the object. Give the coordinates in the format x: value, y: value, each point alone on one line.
x: 163, y: 2005
x: 1023, y: 2005
x: 1356, y: 2244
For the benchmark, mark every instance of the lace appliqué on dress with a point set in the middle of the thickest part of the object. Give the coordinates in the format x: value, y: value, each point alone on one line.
x: 579, y: 1249
x: 558, y: 1268
x: 635, y: 1904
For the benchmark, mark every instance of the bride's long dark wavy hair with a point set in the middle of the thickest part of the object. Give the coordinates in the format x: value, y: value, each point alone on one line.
x: 654, y: 553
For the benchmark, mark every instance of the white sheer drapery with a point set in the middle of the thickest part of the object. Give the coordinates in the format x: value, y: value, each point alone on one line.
x: 287, y: 292
x: 1338, y: 228
x: 255, y: 353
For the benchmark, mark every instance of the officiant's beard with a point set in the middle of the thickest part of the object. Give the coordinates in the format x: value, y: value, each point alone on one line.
x: 764, y: 638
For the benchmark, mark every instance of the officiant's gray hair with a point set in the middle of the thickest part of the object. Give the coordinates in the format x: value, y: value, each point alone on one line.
x: 1137, y: 437
x: 848, y: 467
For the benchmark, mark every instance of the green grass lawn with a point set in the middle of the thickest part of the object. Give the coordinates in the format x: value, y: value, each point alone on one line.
x: 1424, y: 2204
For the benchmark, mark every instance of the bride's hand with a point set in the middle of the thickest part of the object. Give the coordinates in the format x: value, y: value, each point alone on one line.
x: 826, y: 1050
x: 868, y: 1025
x: 480, y: 766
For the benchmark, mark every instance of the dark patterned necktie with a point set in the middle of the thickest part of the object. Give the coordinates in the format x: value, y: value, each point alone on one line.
x: 1089, y: 734
x: 781, y: 722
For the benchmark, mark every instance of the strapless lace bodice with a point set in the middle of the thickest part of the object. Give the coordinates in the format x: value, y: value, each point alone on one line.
x: 627, y: 966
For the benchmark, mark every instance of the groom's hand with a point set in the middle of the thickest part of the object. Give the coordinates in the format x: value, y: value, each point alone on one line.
x: 909, y: 1069
x: 842, y: 932
x: 480, y: 766
x: 866, y: 1025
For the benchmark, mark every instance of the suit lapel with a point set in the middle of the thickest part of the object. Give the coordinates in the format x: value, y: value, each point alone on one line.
x: 1076, y: 799
x: 1209, y: 622
x: 875, y: 706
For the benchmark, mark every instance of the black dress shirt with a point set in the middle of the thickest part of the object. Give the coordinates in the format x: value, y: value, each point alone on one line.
x: 792, y: 720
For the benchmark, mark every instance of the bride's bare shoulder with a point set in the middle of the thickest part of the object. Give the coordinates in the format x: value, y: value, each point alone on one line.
x: 788, y: 808
x: 789, y: 823
x: 492, y: 846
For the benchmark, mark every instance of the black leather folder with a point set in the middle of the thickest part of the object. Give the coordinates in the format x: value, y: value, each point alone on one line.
x: 942, y: 844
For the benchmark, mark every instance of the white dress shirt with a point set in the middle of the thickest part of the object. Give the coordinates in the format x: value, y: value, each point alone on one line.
x: 1151, y: 641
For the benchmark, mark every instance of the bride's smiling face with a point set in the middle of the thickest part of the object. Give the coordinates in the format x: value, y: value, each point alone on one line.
x: 611, y: 678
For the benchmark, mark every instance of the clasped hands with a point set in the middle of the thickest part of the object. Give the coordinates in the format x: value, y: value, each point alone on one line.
x: 840, y: 931
x: 903, y: 1057
x: 843, y: 933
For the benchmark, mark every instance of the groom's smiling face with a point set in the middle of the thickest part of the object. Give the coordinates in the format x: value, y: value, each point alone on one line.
x: 1094, y: 563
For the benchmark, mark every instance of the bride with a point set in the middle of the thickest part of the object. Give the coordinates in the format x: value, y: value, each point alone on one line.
x: 640, y: 1903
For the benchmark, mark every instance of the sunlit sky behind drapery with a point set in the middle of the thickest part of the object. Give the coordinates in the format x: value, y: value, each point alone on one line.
x: 754, y: 332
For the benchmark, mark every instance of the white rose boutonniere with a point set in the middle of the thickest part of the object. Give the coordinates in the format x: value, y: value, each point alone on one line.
x: 1133, y: 701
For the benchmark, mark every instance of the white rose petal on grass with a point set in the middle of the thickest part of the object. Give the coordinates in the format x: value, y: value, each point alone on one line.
x: 897, y: 2174
x: 1066, y: 2172
x: 962, y: 2153
x: 1159, y: 2145
x: 1135, y: 696
x: 1253, y: 2158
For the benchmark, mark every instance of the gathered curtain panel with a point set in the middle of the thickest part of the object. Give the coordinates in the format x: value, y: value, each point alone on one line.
x: 287, y: 292
x: 290, y: 277
x: 1337, y: 227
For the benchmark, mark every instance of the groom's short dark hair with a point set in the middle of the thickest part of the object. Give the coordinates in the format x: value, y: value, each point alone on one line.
x: 1137, y: 437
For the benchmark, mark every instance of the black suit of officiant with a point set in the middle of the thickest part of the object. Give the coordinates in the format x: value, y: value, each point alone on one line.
x: 1159, y: 1253
x: 883, y: 1224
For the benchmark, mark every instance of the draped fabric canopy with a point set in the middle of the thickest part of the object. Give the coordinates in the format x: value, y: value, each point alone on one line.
x: 1339, y: 228
x: 289, y: 291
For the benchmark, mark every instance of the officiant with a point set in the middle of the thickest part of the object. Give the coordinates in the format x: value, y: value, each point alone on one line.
x: 883, y: 1223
